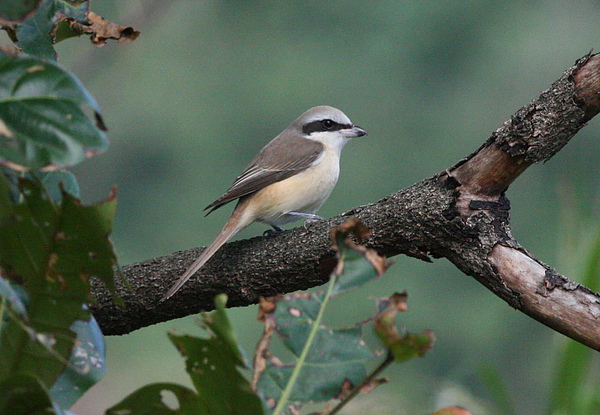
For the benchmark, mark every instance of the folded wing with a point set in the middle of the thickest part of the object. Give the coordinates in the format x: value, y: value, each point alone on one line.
x: 283, y: 157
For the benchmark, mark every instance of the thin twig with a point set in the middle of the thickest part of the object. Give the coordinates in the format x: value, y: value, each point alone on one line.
x: 388, y: 359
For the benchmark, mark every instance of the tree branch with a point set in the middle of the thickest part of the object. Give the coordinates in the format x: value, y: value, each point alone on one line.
x: 460, y: 214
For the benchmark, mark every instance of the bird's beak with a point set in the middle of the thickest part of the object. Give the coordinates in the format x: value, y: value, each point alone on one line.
x: 354, y: 131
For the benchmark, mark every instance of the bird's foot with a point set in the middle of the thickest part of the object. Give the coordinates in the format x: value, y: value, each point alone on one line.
x: 270, y: 232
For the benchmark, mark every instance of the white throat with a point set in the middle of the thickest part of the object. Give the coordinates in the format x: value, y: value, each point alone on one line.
x: 333, y: 141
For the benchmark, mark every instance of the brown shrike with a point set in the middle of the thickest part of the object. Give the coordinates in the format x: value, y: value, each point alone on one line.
x: 288, y: 180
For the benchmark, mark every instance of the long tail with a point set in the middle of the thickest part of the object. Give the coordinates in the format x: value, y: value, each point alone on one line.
x: 236, y: 223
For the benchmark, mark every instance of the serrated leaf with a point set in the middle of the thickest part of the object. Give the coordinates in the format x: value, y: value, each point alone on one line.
x: 329, y: 361
x: 15, y: 11
x: 27, y: 235
x: 54, y: 250
x: 336, y: 358
x: 213, y: 366
x: 37, y: 35
x: 219, y: 324
x: 42, y: 119
x: 221, y: 388
x: 294, y: 316
x: 83, y: 248
x: 25, y: 395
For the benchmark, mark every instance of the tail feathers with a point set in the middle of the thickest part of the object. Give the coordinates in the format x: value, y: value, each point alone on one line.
x: 232, y: 227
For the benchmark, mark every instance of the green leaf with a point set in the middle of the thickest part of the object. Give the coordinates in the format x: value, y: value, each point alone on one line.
x: 316, y: 383
x: 15, y: 11
x: 357, y: 271
x: 150, y: 400
x: 218, y: 323
x: 25, y: 395
x: 403, y: 346
x: 56, y: 181
x: 336, y: 359
x: 54, y: 249
x: 221, y: 387
x: 295, y: 314
x: 42, y: 118
x: 12, y: 298
x: 37, y: 35
x: 27, y: 235
x: 213, y: 366
x: 84, y: 249
x: 87, y: 364
x: 6, y: 202
x: 329, y: 362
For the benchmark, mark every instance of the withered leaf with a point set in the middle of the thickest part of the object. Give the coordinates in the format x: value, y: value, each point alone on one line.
x: 354, y: 227
x: 100, y: 30
x: 452, y: 410
x: 403, y: 346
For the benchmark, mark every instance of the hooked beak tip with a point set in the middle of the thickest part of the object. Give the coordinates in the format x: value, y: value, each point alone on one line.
x: 359, y: 132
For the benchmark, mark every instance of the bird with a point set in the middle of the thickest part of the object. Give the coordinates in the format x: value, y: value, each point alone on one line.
x: 288, y: 180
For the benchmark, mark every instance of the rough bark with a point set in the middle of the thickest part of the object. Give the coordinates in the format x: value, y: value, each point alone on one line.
x: 460, y: 214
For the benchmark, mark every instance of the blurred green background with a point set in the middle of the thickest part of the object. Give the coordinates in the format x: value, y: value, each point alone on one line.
x: 207, y: 84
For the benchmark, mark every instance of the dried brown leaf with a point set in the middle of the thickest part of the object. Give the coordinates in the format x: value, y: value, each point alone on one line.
x: 266, y: 306
x: 103, y: 29
x: 403, y: 346
x: 346, y: 389
x: 354, y: 227
x: 452, y: 410
x: 100, y: 30
x: 262, y: 353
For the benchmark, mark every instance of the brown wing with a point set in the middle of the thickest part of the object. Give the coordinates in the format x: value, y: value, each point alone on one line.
x: 283, y: 157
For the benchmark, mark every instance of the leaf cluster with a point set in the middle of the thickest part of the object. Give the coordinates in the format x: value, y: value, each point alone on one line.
x: 328, y: 364
x: 51, y: 245
x: 36, y: 26
x: 50, y: 348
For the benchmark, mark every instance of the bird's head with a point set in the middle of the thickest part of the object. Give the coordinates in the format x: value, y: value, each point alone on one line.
x: 328, y: 125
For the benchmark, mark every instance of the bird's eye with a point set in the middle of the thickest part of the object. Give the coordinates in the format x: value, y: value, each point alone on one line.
x: 328, y: 124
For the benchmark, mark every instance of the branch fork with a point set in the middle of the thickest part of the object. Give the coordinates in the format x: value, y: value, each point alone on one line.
x: 460, y: 214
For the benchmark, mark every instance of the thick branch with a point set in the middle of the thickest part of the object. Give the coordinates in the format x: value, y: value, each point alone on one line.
x: 461, y: 214
x: 545, y: 294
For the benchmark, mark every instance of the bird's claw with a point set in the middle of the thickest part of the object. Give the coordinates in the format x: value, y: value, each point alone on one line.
x: 274, y: 231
